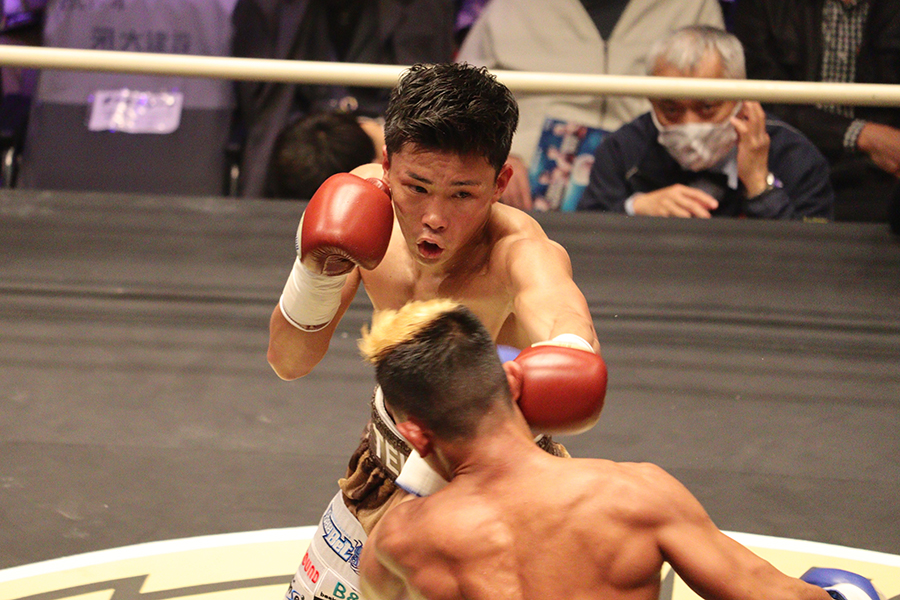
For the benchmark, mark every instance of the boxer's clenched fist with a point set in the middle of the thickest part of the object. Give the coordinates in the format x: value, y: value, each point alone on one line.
x: 348, y: 222
x: 841, y: 584
x: 563, y: 388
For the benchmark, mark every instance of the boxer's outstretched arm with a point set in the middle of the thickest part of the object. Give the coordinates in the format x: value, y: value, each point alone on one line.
x: 547, y: 301
x: 712, y: 564
x: 293, y: 352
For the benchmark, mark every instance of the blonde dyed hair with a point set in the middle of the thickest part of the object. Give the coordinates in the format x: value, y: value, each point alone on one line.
x: 390, y: 328
x: 436, y: 362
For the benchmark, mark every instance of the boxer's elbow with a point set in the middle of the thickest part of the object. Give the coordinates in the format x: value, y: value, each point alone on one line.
x: 289, y: 365
x: 285, y: 369
x: 289, y: 353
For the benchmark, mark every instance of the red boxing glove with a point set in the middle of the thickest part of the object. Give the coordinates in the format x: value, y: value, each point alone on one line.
x: 563, y: 389
x: 348, y: 221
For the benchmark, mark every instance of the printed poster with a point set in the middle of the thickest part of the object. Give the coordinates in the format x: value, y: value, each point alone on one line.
x: 562, y: 164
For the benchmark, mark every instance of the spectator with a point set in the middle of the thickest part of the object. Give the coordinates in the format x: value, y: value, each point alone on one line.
x: 131, y: 132
x: 843, y: 41
x: 20, y: 24
x: 702, y: 158
x: 312, y: 149
x: 398, y: 32
x: 572, y: 36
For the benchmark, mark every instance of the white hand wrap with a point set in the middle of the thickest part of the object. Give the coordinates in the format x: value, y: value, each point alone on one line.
x: 310, y: 301
x: 417, y: 477
x: 569, y: 340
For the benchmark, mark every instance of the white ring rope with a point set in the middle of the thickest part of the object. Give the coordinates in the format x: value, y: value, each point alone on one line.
x: 368, y: 75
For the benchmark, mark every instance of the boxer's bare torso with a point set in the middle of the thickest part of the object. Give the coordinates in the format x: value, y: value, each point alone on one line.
x: 585, y: 531
x: 452, y: 239
x: 519, y: 524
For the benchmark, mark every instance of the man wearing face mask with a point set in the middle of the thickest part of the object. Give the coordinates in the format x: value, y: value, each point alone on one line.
x: 704, y: 158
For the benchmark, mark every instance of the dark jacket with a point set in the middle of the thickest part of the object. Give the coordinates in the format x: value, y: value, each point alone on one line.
x: 399, y: 32
x: 783, y: 41
x: 631, y: 161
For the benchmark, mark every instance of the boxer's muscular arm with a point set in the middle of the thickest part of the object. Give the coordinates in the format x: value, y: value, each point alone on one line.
x: 547, y: 302
x: 714, y: 565
x: 292, y: 352
x: 379, y: 571
x: 346, y: 225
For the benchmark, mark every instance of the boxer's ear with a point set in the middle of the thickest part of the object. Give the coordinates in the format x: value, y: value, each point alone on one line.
x: 417, y: 437
x: 385, y: 161
x: 503, y: 178
x: 514, y: 378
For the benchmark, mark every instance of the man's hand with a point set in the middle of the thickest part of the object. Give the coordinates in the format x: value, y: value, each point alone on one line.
x: 882, y: 144
x: 518, y: 191
x: 753, y: 147
x: 675, y: 201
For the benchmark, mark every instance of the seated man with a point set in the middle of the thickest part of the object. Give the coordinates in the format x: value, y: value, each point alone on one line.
x: 515, y: 522
x: 608, y: 37
x: 390, y: 32
x: 702, y: 158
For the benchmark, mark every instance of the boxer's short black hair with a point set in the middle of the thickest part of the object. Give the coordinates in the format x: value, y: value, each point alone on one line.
x: 452, y: 107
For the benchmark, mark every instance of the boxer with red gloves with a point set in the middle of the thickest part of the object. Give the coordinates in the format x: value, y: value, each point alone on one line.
x: 448, y: 129
x: 514, y: 522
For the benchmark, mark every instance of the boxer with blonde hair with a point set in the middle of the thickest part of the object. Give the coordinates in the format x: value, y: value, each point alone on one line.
x: 517, y: 523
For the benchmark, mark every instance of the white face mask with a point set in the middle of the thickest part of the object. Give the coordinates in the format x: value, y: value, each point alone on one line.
x: 698, y: 146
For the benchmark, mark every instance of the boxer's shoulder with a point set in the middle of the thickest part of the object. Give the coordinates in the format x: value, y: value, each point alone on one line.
x: 526, y: 255
x: 369, y: 170
x: 417, y: 521
x: 509, y: 221
x: 514, y: 232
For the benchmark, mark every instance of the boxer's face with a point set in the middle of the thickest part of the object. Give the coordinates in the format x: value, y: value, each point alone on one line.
x: 442, y: 200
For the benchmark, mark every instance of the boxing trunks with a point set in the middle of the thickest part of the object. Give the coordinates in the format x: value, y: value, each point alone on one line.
x: 330, y: 568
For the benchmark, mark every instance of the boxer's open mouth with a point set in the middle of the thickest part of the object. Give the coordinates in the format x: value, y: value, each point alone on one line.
x: 429, y: 249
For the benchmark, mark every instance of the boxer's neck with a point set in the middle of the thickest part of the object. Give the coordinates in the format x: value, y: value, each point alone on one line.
x: 499, y: 447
